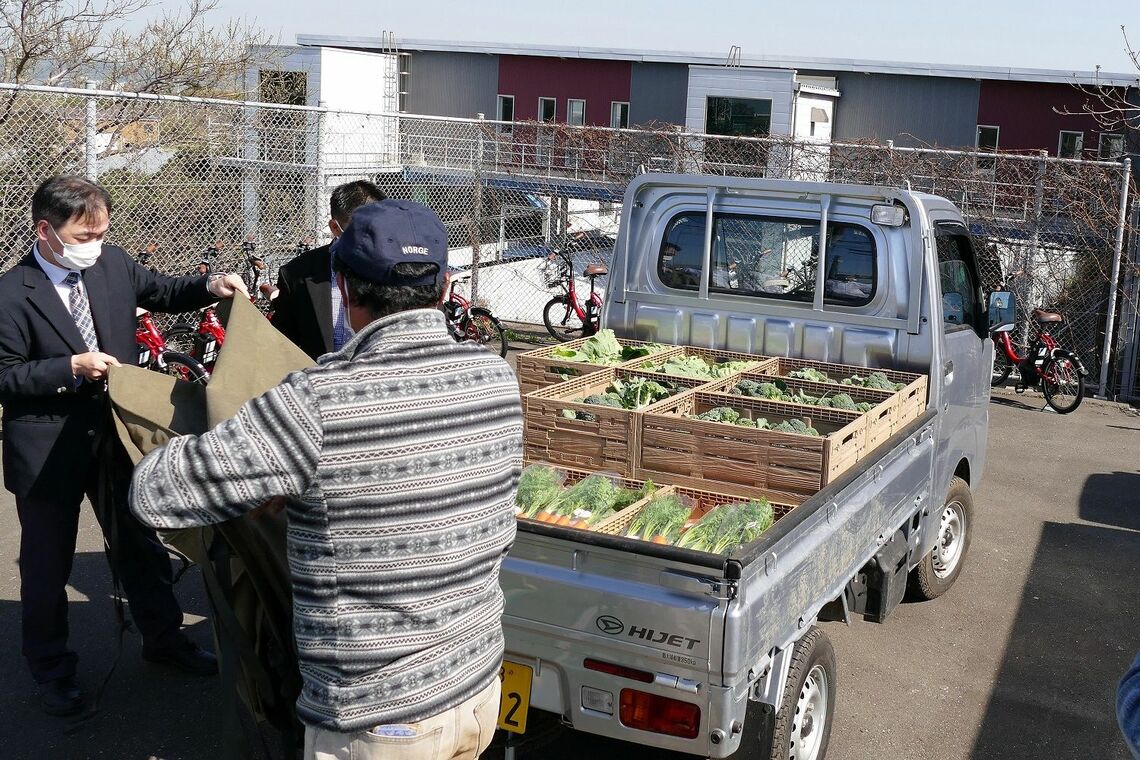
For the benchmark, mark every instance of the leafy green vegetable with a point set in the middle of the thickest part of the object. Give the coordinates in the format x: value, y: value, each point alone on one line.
x: 603, y: 348
x: 724, y: 528
x: 637, y: 393
x: 761, y: 390
x: 719, y: 414
x: 539, y: 487
x: 629, y: 353
x: 591, y: 494
x: 628, y: 496
x: 840, y: 401
x: 810, y: 373
x: 660, y: 520
x: 695, y: 366
x: 799, y: 427
x: 876, y: 380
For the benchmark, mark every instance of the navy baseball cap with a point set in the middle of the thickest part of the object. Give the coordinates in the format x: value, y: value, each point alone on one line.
x: 384, y: 234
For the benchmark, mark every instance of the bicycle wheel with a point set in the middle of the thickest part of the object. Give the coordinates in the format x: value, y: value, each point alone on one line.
x: 1062, y: 385
x: 482, y: 327
x: 1002, y: 367
x: 182, y: 337
x: 561, y: 320
x: 184, y: 367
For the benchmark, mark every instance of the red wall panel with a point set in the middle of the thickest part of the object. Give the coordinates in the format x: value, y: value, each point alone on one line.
x: 1024, y: 111
x: 599, y: 83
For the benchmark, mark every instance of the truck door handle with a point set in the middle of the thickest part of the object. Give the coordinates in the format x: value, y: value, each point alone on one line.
x: 948, y: 368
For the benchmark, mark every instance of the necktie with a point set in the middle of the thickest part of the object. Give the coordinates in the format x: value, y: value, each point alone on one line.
x: 81, y: 311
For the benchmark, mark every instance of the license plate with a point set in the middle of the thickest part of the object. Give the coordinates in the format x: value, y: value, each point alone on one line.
x: 515, y: 702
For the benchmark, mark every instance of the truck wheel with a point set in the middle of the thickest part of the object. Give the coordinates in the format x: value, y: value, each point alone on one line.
x: 937, y: 571
x: 803, y: 725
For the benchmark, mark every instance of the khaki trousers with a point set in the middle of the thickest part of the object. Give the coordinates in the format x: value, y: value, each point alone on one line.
x: 461, y: 733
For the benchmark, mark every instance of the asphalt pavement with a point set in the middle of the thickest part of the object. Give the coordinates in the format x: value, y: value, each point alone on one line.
x: 1019, y: 660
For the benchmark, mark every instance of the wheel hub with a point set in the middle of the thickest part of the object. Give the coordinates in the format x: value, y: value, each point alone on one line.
x: 951, y: 534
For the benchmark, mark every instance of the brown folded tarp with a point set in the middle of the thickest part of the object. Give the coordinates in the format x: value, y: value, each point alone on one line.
x: 243, y: 561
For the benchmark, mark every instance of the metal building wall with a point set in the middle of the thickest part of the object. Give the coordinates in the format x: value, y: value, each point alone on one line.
x: 453, y: 84
x: 911, y: 110
x: 657, y: 93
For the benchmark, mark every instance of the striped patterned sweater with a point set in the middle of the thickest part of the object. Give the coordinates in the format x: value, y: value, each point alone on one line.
x: 401, y: 454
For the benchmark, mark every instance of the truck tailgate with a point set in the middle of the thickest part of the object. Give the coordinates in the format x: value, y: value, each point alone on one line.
x: 567, y: 602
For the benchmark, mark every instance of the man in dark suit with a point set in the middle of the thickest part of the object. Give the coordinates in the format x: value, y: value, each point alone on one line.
x: 67, y: 314
x: 307, y: 308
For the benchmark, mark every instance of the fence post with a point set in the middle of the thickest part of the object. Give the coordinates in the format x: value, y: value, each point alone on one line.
x: 1130, y: 314
x: 250, y: 175
x: 90, y: 132
x: 1034, y: 241
x: 477, y: 210
x: 320, y: 205
x: 1114, y: 283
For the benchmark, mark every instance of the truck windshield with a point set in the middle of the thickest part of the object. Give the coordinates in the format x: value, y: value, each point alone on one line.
x: 769, y: 257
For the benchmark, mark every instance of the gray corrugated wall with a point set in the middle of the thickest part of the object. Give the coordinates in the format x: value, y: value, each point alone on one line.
x: 935, y: 110
x: 453, y: 84
x: 657, y: 92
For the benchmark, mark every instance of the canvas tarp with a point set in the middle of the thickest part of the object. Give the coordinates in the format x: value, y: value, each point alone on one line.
x: 243, y: 561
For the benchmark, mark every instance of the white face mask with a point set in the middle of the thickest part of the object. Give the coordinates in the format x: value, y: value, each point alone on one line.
x: 78, y: 255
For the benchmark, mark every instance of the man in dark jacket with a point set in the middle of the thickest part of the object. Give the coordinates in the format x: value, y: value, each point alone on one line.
x: 307, y: 307
x: 67, y: 313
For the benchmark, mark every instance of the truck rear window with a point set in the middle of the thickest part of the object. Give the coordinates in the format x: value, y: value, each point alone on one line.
x: 769, y: 257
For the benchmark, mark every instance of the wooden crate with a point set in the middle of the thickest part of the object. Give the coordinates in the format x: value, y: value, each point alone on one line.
x: 607, y: 443
x: 703, y: 502
x: 538, y: 368
x: 882, y: 420
x: 574, y: 476
x: 751, y: 462
x: 711, y: 355
x: 912, y: 397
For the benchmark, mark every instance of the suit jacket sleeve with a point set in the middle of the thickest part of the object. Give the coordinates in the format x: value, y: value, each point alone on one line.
x: 21, y: 377
x: 285, y: 306
x: 159, y: 292
x: 270, y: 448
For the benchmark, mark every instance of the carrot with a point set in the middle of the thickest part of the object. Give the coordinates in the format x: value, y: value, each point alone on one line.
x: 562, y: 520
x: 579, y: 524
x: 543, y: 516
x: 660, y: 539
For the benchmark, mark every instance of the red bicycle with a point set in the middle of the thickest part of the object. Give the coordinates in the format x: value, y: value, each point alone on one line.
x: 1059, y: 373
x: 156, y: 355
x: 468, y: 322
x: 565, y: 318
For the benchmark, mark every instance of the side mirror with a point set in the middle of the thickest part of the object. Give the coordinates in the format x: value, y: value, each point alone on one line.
x: 1002, y: 311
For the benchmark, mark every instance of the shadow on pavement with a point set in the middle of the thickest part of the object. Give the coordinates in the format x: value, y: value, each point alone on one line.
x: 1113, y: 499
x: 147, y: 711
x: 1013, y: 403
x: 1074, y: 636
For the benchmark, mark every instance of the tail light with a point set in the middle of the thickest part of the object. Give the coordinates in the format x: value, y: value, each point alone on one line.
x: 660, y: 715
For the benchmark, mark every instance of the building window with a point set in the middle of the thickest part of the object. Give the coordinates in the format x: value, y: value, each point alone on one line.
x: 1111, y: 147
x: 738, y: 117
x: 506, y: 108
x: 576, y: 112
x: 506, y: 112
x: 547, y: 108
x: 1070, y: 144
x: 619, y: 115
x: 987, y: 139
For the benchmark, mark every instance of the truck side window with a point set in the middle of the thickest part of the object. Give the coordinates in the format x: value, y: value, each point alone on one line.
x: 961, y: 294
x: 770, y: 258
x: 682, y: 252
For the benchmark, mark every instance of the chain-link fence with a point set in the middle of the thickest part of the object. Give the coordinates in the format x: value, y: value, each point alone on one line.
x: 187, y: 174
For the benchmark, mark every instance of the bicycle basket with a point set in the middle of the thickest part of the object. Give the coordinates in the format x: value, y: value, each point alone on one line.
x: 555, y: 273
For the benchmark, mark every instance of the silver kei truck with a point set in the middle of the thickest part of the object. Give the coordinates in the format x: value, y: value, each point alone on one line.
x: 723, y: 656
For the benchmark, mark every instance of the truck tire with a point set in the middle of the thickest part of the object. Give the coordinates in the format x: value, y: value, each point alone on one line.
x: 802, y: 728
x: 938, y: 570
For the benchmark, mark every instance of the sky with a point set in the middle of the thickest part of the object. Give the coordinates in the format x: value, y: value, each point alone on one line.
x: 1072, y: 36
